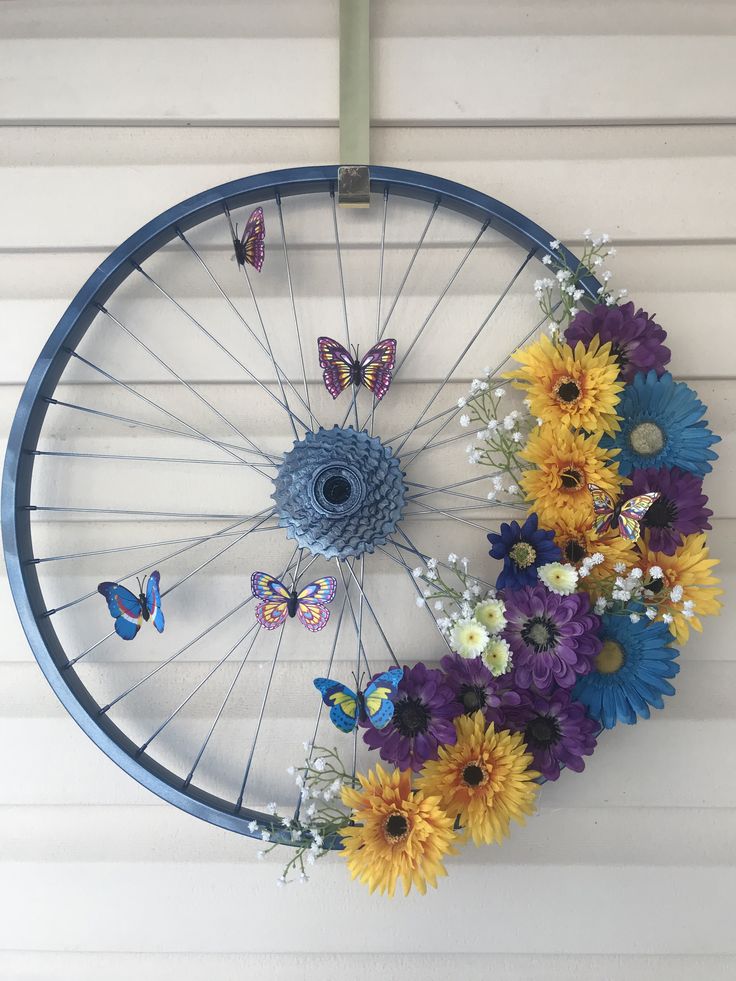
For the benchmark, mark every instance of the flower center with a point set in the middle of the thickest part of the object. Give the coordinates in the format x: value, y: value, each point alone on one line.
x: 575, y: 551
x: 661, y: 514
x: 567, y: 390
x: 475, y: 774
x: 539, y: 633
x: 523, y: 554
x: 473, y: 698
x: 611, y: 658
x: 571, y: 478
x: 646, y: 439
x: 396, y: 828
x: 542, y: 731
x: 411, y: 717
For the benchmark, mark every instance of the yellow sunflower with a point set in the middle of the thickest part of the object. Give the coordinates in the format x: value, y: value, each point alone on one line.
x: 484, y: 779
x: 571, y: 388
x: 398, y: 833
x: 564, y: 464
x: 577, y: 538
x: 690, y: 570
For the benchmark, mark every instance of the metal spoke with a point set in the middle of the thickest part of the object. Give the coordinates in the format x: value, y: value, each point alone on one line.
x: 172, y: 657
x: 145, y: 514
x: 338, y: 252
x: 399, y: 561
x: 292, y: 298
x: 158, y: 562
x: 192, y: 319
x: 346, y: 584
x: 380, y: 290
x: 144, y: 746
x: 268, y: 687
x: 155, y: 405
x: 373, y: 614
x: 360, y: 650
x: 409, y: 268
x: 139, y: 423
x: 174, y: 374
x: 465, y: 350
x: 451, y: 515
x: 157, y: 459
x: 411, y: 547
x: 428, y: 489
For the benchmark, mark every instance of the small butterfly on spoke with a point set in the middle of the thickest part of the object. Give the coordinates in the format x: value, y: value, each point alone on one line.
x: 627, y: 514
x: 341, y: 369
x: 249, y: 246
x: 278, y: 602
x: 374, y: 706
x: 129, y: 610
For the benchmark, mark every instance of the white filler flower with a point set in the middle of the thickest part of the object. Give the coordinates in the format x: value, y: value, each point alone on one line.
x: 559, y: 578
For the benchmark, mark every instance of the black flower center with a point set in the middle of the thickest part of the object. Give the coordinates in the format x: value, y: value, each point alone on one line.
x: 473, y: 698
x: 411, y: 716
x: 567, y: 390
x: 620, y: 354
x: 574, y: 551
x: 571, y: 478
x: 655, y: 585
x: 396, y: 827
x: 542, y: 731
x: 474, y: 775
x: 661, y: 514
x: 539, y: 633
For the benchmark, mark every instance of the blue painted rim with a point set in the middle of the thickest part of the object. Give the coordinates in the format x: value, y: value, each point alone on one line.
x: 29, y: 417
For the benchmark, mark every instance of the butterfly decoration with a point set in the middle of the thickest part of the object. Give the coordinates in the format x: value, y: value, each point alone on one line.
x: 249, y: 247
x: 341, y: 369
x: 129, y: 610
x: 628, y: 514
x: 278, y: 602
x: 374, y: 706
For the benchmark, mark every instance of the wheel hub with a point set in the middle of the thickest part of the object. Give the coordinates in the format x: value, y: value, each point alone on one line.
x: 339, y: 492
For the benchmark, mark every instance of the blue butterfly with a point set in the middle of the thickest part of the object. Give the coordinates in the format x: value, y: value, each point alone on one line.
x: 129, y: 610
x: 349, y: 709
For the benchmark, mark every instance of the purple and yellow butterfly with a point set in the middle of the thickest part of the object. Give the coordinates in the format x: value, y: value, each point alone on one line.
x: 130, y: 610
x: 374, y: 706
x: 249, y: 247
x: 278, y: 602
x: 628, y: 514
x: 341, y: 369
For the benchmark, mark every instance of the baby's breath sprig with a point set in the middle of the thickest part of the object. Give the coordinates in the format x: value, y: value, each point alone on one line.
x: 559, y: 296
x: 500, y: 436
x: 319, y: 817
x: 636, y: 593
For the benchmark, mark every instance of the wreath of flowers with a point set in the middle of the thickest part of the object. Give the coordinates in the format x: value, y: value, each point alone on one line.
x: 582, y: 628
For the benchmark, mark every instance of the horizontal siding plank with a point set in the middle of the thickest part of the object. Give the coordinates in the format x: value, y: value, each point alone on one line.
x: 416, y: 80
x: 106, y: 906
x: 396, y: 966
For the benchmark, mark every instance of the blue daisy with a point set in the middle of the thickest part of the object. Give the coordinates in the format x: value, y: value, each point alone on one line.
x: 661, y: 426
x: 629, y: 674
x: 523, y: 548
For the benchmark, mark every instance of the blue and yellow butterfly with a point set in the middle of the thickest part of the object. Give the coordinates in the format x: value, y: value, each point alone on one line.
x: 349, y: 709
x: 130, y: 610
x: 278, y: 602
x: 628, y: 514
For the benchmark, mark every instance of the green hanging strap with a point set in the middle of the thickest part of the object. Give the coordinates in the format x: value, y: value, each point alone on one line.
x: 353, y: 184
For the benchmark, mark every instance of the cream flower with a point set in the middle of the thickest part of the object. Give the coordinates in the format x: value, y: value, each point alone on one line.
x: 469, y: 638
x: 491, y: 614
x: 497, y: 656
x: 559, y: 578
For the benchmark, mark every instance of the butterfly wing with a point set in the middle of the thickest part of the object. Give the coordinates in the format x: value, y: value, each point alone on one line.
x: 312, y: 614
x: 254, y: 235
x: 337, y: 365
x: 342, y: 702
x: 604, y: 508
x: 376, y: 367
x: 124, y: 607
x: 273, y: 609
x: 153, y: 601
x: 322, y: 590
x: 379, y: 697
x: 632, y: 512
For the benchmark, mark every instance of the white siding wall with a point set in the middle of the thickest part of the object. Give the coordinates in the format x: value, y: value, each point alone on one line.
x: 618, y: 115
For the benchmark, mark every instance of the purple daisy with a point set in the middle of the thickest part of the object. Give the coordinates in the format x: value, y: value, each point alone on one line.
x: 557, y: 731
x: 553, y: 638
x: 424, y: 708
x: 475, y: 689
x: 636, y: 339
x: 679, y: 511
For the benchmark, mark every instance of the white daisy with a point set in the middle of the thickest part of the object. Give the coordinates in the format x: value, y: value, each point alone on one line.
x: 491, y: 614
x: 497, y: 656
x: 469, y: 638
x: 559, y: 578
